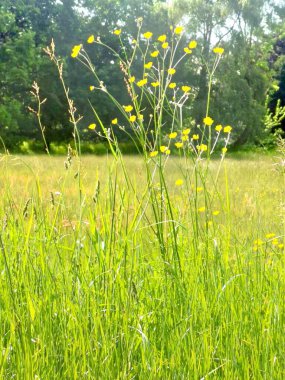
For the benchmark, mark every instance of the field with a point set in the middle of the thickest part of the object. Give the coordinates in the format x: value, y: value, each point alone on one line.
x: 94, y: 287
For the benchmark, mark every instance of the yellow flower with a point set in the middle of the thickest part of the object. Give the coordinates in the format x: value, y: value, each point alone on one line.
x: 162, y: 38
x: 171, y: 71
x: 132, y: 79
x: 172, y: 135
x: 172, y: 85
x: 258, y: 242
x: 142, y: 82
x: 75, y: 50
x: 163, y: 148
x: 270, y: 235
x: 202, y: 209
x: 185, y: 138
x: 187, y: 50
x: 218, y: 50
x: 167, y: 152
x: 154, y: 153
x: 133, y: 118
x: 202, y: 147
x: 155, y: 84
x: 90, y: 39
x: 224, y: 150
x: 227, y: 129
x: 199, y: 189
x: 140, y: 116
x: 91, y: 88
x: 92, y: 126
x: 148, y: 65
x: 178, y: 30
x: 216, y: 212
x: 195, y: 137
x: 134, y: 41
x: 186, y: 131
x: 192, y: 44
x: 147, y: 35
x: 280, y: 246
x: 218, y: 128
x: 179, y: 182
x: 115, y: 121
x: 275, y: 241
x: 128, y: 108
x: 164, y: 45
x: 154, y: 53
x: 208, y: 121
x: 117, y: 32
x: 186, y: 88
x: 178, y: 145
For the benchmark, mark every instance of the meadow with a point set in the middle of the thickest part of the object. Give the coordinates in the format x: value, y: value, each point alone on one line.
x: 96, y: 285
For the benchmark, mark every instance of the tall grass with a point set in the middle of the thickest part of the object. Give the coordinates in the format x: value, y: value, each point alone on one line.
x: 156, y: 267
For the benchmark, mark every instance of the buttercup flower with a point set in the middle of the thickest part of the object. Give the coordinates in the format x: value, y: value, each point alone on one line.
x: 167, y: 151
x: 147, y: 35
x: 171, y: 71
x: 154, y: 153
x: 154, y: 53
x: 155, y: 84
x: 75, y: 50
x: 216, y: 212
x: 164, y: 45
x: 172, y: 135
x: 90, y: 39
x: 218, y: 50
x: 178, y: 30
x: 148, y: 65
x: 128, y: 108
x: 187, y: 50
x: 208, y: 121
x: 227, y: 129
x: 132, y: 79
x: 202, y: 147
x: 163, y: 148
x: 133, y: 118
x: 115, y: 121
x: 142, y: 82
x: 186, y: 131
x: 202, y: 209
x: 117, y: 32
x: 91, y: 88
x: 186, y: 88
x: 162, y: 38
x: 92, y: 126
x: 218, y: 128
x: 224, y: 150
x: 172, y: 85
x: 184, y: 138
x: 179, y: 145
x: 192, y: 44
x: 195, y: 137
x: 179, y: 182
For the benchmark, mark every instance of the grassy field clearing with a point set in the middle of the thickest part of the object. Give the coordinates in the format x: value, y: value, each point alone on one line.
x: 88, y: 291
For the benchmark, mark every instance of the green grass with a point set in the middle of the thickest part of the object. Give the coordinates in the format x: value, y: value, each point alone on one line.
x: 88, y: 291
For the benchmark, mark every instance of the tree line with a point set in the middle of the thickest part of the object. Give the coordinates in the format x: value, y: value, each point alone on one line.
x: 252, y: 33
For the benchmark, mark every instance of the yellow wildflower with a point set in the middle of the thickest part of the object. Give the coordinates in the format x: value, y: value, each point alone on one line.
x: 179, y: 144
x: 147, y: 35
x: 195, y: 137
x: 202, y: 147
x: 154, y: 153
x: 186, y: 131
x: 92, y: 126
x: 224, y: 150
x: 155, y: 84
x: 227, y: 129
x: 199, y: 189
x: 115, y: 121
x: 208, y: 121
x: 128, y: 108
x: 218, y: 128
x: 148, y: 65
x: 186, y: 88
x: 275, y: 241
x: 178, y: 30
x: 117, y: 32
x: 91, y: 39
x: 172, y: 85
x: 171, y: 71
x: 75, y: 50
x: 164, y: 45
x: 218, y: 50
x: 91, y: 88
x: 187, y: 50
x: 185, y: 138
x: 281, y: 246
x: 167, y: 151
x: 202, y: 209
x: 192, y: 44
x: 216, y: 212
x: 142, y: 82
x: 163, y: 148
x: 172, y: 135
x: 154, y: 54
x: 133, y: 118
x: 132, y: 79
x: 179, y: 182
x: 258, y: 242
x: 270, y: 235
x: 140, y: 116
x: 162, y: 38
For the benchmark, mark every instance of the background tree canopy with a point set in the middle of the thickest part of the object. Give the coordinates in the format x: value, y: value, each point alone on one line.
x: 251, y: 31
